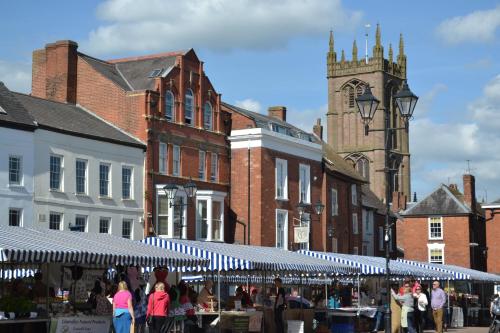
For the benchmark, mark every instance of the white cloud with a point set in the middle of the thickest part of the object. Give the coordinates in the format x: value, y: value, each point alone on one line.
x: 249, y: 104
x: 16, y: 76
x: 478, y: 26
x: 440, y: 151
x: 305, y: 119
x: 425, y: 102
x: 152, y: 25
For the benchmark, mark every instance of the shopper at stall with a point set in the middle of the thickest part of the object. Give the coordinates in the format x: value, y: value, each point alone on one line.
x: 123, y: 311
x: 103, y: 305
x: 279, y: 306
x: 421, y: 311
x: 140, y: 308
x: 205, y: 294
x: 407, y: 309
x: 158, y: 304
x: 438, y: 300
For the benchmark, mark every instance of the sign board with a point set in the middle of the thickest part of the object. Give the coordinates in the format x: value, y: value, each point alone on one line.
x: 301, y: 234
x: 255, y: 324
x: 240, y: 324
x: 81, y: 324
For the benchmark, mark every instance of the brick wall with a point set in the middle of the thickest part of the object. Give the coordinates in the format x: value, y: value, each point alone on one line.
x: 492, y: 232
x: 415, y: 234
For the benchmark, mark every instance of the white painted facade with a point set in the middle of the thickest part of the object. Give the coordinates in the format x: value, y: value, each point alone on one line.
x: 89, y: 205
x: 19, y: 196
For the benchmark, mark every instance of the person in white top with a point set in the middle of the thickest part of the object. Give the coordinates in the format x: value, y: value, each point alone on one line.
x: 421, y: 312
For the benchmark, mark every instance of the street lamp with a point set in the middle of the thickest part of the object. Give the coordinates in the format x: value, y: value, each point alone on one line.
x: 302, y: 208
x: 171, y: 191
x: 367, y: 106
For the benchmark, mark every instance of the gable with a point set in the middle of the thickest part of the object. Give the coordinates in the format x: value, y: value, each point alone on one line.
x: 439, y: 202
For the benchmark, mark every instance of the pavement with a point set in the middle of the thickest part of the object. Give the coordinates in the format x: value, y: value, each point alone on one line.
x: 463, y: 330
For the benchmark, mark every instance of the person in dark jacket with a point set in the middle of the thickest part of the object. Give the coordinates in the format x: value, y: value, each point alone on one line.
x: 158, y: 304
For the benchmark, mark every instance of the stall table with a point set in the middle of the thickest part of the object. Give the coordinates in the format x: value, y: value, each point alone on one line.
x: 13, y: 325
x: 351, y: 319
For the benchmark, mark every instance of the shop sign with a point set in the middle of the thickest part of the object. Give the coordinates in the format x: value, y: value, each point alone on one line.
x: 301, y: 234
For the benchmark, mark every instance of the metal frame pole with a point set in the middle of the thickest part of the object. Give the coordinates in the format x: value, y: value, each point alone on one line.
x: 387, y: 226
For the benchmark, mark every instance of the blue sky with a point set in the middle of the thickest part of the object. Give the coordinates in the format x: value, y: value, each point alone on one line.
x: 260, y: 53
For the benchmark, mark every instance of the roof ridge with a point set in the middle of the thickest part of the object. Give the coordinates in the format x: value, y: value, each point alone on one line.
x: 96, y: 59
x: 148, y: 56
x: 460, y: 203
x: 43, y: 99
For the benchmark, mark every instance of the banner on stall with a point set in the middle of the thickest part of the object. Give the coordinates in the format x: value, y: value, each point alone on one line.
x: 82, y: 325
x: 88, y: 278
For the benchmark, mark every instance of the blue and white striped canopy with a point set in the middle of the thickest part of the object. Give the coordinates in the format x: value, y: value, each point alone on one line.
x: 34, y: 245
x: 459, y: 273
x: 376, y: 265
x: 227, y: 257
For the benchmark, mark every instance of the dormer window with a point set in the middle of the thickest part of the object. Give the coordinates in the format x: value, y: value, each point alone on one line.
x: 169, y: 106
x: 188, y: 110
x: 279, y: 129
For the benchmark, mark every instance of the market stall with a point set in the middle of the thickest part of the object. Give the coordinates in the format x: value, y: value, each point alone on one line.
x: 43, y: 249
x: 232, y: 259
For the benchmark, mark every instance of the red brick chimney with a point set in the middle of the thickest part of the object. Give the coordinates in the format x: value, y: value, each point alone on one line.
x: 318, y: 129
x: 398, y: 201
x: 470, y: 191
x: 278, y: 112
x: 55, y: 70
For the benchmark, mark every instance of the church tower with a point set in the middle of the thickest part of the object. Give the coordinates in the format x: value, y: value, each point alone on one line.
x: 345, y: 130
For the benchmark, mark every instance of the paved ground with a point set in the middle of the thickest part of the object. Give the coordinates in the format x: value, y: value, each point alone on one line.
x: 465, y: 330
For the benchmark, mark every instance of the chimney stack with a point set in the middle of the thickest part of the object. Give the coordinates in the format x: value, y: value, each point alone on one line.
x: 55, y: 71
x: 318, y: 129
x: 470, y: 191
x: 278, y: 112
x: 398, y: 202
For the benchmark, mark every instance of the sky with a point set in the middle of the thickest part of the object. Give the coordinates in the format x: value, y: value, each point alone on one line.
x: 261, y: 53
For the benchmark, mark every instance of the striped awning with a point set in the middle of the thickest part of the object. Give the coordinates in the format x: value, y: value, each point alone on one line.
x: 260, y: 279
x: 458, y: 272
x: 377, y: 265
x: 227, y: 257
x: 34, y: 245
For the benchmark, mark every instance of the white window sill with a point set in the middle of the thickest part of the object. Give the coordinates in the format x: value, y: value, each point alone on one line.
x: 281, y: 199
x: 128, y: 199
x: 105, y: 197
x: 82, y: 195
x: 15, y: 186
x: 55, y: 190
x: 436, y: 239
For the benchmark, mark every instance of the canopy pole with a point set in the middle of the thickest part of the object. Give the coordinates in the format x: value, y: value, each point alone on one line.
x: 326, y: 291
x: 47, y: 292
x: 359, y: 294
x: 219, y: 299
x: 448, y: 297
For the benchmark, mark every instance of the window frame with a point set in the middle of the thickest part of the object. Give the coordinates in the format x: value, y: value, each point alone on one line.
x: 108, y: 181
x: 176, y: 164
x: 285, y: 229
x: 307, y: 169
x: 171, y: 214
x: 214, y: 167
x: 19, y: 171
x: 209, y: 197
x: 108, y: 227
x: 355, y: 224
x: 354, y: 194
x: 85, y: 219
x: 131, y: 183
x: 189, y: 96
x: 85, y: 177
x: 335, y: 203
x: 163, y: 158
x: 208, y: 125
x: 61, y: 223
x: 284, y: 167
x: 19, y: 212
x: 202, y: 165
x: 131, y: 228
x: 435, y: 246
x: 60, y: 178
x: 429, y: 227
x: 168, y: 93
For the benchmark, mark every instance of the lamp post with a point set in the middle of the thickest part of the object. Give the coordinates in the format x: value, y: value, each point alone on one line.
x: 302, y: 207
x: 171, y: 191
x: 367, y: 106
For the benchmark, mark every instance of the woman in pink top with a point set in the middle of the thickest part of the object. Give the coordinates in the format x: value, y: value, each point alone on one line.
x: 123, y: 311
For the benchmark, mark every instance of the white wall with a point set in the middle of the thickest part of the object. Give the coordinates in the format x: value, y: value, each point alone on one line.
x: 70, y: 204
x: 19, y: 143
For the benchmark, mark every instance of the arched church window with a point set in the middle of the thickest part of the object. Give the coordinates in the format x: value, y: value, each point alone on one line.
x: 350, y: 89
x: 363, y: 167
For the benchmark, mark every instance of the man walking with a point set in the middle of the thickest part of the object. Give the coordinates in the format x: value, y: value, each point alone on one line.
x: 438, y: 299
x: 279, y: 306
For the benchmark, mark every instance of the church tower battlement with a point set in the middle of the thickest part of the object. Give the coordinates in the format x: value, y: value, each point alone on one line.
x: 347, y: 80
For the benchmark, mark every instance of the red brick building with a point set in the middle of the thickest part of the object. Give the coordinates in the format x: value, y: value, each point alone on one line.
x: 166, y: 101
x: 492, y: 212
x: 274, y: 167
x: 446, y: 227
